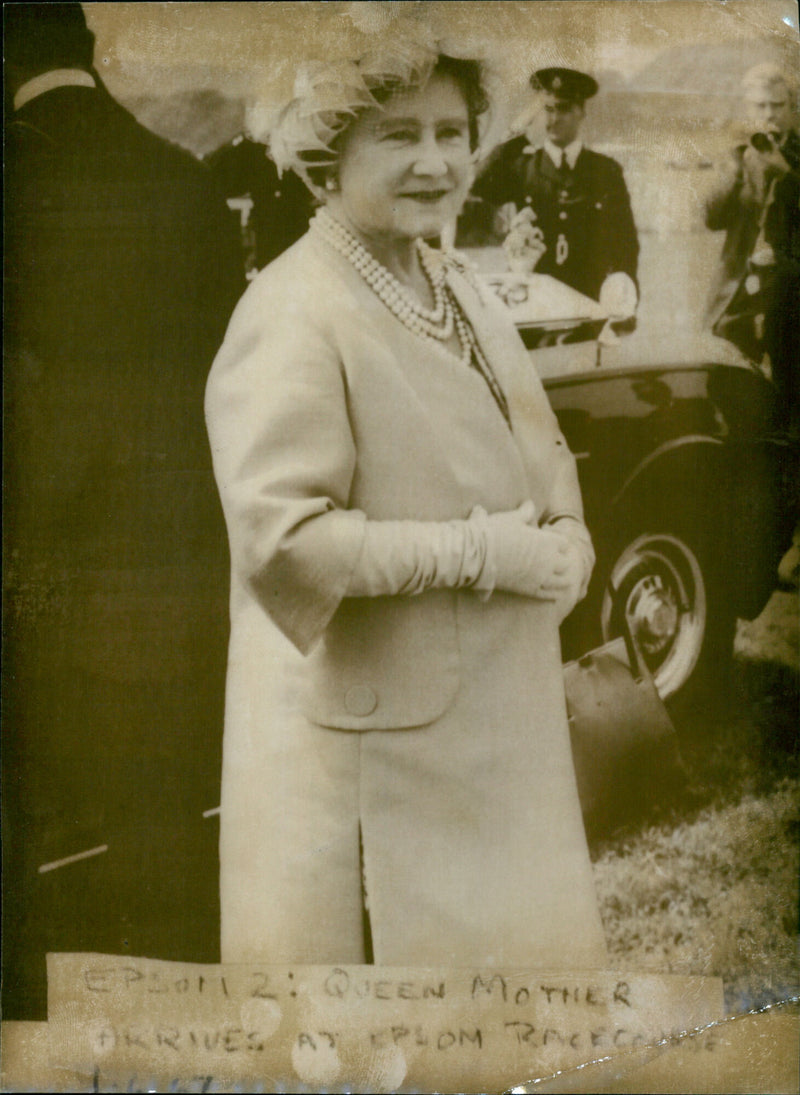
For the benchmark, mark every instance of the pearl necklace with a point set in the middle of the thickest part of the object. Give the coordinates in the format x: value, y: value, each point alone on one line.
x: 437, y: 323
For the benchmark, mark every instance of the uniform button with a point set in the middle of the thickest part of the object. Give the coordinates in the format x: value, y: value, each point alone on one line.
x: 598, y: 205
x: 562, y: 216
x: 360, y: 700
x: 528, y: 199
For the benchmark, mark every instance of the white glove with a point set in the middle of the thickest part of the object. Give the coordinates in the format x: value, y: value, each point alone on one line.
x: 408, y: 557
x: 522, y: 558
x: 504, y: 217
x: 576, y: 572
x: 618, y: 296
x: 576, y: 533
x: 504, y: 551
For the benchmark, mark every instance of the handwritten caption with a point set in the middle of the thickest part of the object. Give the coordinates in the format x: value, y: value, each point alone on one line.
x: 369, y: 1028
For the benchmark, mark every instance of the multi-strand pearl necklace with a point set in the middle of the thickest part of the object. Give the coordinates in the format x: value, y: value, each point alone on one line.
x: 437, y: 323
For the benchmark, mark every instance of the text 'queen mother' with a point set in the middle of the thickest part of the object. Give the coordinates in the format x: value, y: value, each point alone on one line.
x: 406, y: 534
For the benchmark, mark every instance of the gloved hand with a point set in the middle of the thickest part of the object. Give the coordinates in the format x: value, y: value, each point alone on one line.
x: 503, y: 218
x: 618, y: 296
x: 503, y: 551
x: 576, y: 573
x: 522, y: 558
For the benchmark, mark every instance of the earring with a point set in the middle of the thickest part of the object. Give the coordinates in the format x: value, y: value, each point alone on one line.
x: 331, y: 183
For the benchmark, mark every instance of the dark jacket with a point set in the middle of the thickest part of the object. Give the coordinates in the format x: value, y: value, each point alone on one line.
x: 282, y: 206
x: 736, y: 206
x: 584, y: 213
x: 756, y: 305
x: 121, y: 269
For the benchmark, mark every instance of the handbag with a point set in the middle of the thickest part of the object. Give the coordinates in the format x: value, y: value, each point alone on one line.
x: 624, y: 745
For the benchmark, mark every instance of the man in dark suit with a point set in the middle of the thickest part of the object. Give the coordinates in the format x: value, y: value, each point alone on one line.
x: 121, y: 269
x: 755, y: 299
x: 578, y: 196
x: 281, y: 207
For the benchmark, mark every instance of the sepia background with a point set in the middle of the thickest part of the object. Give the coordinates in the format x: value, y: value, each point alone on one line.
x: 709, y: 888
x: 669, y: 105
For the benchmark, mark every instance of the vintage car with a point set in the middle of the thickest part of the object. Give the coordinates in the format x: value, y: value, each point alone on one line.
x: 688, y: 485
x: 689, y: 480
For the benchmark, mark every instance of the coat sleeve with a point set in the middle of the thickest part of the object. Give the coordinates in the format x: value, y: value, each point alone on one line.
x: 284, y: 457
x: 624, y: 250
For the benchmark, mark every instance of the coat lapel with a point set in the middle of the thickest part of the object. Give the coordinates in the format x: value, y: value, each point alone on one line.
x: 495, y: 341
x: 534, y: 444
x: 497, y: 344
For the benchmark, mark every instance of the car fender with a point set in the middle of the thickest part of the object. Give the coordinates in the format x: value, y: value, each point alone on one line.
x: 725, y: 494
x: 656, y: 461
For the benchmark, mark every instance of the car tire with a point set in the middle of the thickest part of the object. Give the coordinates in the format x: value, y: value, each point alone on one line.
x: 664, y: 590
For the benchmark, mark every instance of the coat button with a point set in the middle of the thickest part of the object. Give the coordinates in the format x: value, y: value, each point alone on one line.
x: 360, y: 700
x: 562, y: 216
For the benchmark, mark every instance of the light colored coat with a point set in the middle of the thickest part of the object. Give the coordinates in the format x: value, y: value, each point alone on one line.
x: 325, y: 411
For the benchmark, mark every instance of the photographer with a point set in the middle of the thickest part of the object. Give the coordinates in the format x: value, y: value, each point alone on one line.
x: 754, y: 302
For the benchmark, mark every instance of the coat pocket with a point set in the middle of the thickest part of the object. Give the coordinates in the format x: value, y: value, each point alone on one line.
x: 385, y: 663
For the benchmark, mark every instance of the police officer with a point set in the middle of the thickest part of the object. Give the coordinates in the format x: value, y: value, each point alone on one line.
x: 579, y: 196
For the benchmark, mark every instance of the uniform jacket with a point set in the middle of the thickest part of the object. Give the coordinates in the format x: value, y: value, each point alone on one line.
x: 282, y: 205
x: 325, y: 411
x: 584, y: 212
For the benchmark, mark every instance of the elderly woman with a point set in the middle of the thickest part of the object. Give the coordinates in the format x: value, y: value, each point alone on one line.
x: 406, y: 535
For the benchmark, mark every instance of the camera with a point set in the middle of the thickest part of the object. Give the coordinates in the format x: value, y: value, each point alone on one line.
x: 762, y: 142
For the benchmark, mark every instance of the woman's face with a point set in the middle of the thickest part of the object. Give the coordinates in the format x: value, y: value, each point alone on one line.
x: 405, y: 168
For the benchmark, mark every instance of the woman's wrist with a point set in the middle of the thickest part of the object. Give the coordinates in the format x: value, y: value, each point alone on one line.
x: 487, y: 576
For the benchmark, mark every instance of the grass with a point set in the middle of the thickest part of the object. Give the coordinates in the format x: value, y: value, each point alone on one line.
x: 714, y: 896
x: 710, y: 887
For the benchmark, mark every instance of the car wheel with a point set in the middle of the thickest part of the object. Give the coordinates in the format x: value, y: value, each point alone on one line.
x: 661, y: 591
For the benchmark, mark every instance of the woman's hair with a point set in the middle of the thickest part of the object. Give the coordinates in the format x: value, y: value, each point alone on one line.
x: 329, y: 97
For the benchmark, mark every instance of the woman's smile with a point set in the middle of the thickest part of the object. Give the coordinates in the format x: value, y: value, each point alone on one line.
x: 426, y: 196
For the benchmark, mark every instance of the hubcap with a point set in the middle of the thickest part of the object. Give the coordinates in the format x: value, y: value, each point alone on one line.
x: 656, y: 595
x: 652, y: 614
